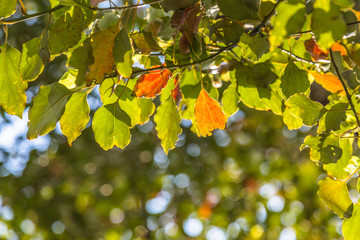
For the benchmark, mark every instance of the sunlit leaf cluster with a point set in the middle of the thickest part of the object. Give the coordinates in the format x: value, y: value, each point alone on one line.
x: 195, y: 60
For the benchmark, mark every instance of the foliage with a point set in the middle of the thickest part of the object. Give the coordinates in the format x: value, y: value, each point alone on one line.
x: 180, y: 60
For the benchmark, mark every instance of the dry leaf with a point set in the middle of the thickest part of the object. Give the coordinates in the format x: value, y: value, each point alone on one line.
x: 151, y: 84
x: 208, y: 115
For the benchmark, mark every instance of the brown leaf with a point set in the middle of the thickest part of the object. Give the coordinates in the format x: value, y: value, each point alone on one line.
x: 317, y: 54
x: 329, y: 81
x: 149, y: 85
x: 208, y: 115
x: 102, y: 44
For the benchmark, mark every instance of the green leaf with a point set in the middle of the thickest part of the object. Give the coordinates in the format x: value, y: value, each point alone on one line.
x: 111, y: 127
x: 334, y: 116
x: 137, y: 109
x: 335, y: 195
x: 304, y: 108
x: 294, y: 80
x: 327, y: 23
x: 65, y: 32
x: 289, y: 19
x: 344, y: 3
x: 7, y: 8
x: 31, y: 64
x: 12, y: 89
x: 252, y: 48
x: 343, y: 166
x: 324, y: 148
x: 240, y: 9
x: 81, y: 58
x: 291, y: 121
x: 123, y: 54
x: 350, y: 227
x: 171, y: 5
x: 230, y: 99
x: 47, y: 109
x: 167, y: 119
x: 76, y: 116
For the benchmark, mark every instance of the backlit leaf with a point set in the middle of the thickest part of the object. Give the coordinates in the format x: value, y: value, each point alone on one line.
x: 230, y: 100
x: 294, y: 80
x: 48, y: 107
x: 324, y: 148
x: 332, y: 119
x: 102, y: 44
x: 245, y: 9
x: 111, y: 126
x: 350, y: 227
x: 335, y: 194
x: 31, y: 64
x: 327, y: 23
x: 123, y: 54
x: 7, y: 8
x: 167, y: 119
x: 81, y: 58
x: 149, y: 85
x: 66, y: 31
x: 304, y: 108
x: 76, y: 116
x: 12, y: 89
x: 329, y: 81
x: 208, y: 114
x: 289, y: 19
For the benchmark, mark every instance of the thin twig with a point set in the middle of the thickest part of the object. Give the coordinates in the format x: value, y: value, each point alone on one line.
x: 317, y: 64
x: 345, y: 88
x: 265, y: 21
x: 39, y: 14
x: 127, y: 7
x: 27, y: 17
x: 310, y: 31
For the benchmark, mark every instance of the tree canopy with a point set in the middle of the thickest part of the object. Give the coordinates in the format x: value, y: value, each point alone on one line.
x: 178, y: 63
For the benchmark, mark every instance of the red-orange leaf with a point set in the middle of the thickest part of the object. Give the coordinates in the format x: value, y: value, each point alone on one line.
x: 329, y: 81
x: 317, y: 54
x: 149, y: 85
x: 208, y: 115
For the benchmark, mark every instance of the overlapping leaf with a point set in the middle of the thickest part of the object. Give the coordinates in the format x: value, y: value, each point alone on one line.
x: 12, y: 89
x: 111, y: 126
x: 102, y: 44
x: 350, y: 227
x: 335, y: 194
x: 48, y: 107
x: 294, y: 80
x: 151, y: 84
x: 76, y: 116
x: 123, y: 54
x: 7, y: 7
x: 167, y: 119
x: 329, y: 81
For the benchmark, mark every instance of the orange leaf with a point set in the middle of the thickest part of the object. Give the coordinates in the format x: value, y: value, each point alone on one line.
x: 208, y: 115
x: 329, y: 81
x: 149, y: 85
x: 340, y: 48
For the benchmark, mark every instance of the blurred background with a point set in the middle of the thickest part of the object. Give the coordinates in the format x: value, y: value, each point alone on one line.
x: 248, y: 182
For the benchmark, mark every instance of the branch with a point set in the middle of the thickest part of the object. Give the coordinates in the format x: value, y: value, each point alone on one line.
x: 348, y: 96
x: 27, y: 17
x: 266, y: 19
x: 211, y: 57
x: 310, y: 31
